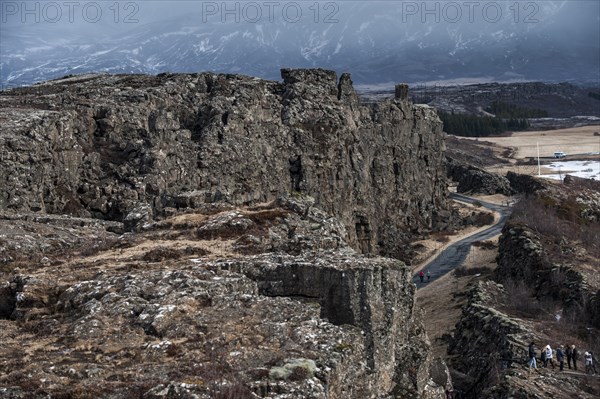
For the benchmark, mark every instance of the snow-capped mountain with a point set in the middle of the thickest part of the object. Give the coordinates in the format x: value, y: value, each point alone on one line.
x: 376, y: 42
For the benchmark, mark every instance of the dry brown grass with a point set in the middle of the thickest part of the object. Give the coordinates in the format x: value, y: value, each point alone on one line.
x: 572, y: 141
x: 442, y: 300
x: 266, y: 216
x: 559, y: 220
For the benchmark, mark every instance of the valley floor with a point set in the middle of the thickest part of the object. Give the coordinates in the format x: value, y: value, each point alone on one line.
x: 442, y: 304
x: 443, y: 299
x: 482, y: 328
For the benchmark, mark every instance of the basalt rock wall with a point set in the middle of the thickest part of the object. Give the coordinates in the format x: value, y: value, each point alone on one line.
x: 129, y: 147
x: 523, y: 257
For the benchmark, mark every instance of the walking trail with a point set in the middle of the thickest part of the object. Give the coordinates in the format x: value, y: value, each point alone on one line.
x: 455, y: 254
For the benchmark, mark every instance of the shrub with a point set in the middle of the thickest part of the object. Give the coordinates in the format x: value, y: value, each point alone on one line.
x: 558, y: 220
x: 441, y: 236
x: 519, y: 298
x: 483, y: 219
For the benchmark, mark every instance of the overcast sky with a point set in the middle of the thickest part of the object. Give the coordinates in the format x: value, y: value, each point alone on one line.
x: 44, y: 38
x: 70, y: 19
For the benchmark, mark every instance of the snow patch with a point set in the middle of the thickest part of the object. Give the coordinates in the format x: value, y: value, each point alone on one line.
x: 583, y: 169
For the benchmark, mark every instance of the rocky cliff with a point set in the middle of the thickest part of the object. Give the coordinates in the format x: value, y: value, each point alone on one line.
x: 528, y: 257
x: 489, y: 350
x: 130, y: 147
x: 551, y: 243
x: 486, y: 341
x: 252, y: 302
x: 157, y: 239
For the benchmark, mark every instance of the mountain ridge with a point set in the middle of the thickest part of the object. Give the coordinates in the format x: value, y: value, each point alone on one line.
x: 376, y: 46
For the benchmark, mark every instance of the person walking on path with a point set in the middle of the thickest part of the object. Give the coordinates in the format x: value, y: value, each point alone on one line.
x: 560, y: 357
x: 532, y: 356
x: 421, y: 275
x: 549, y: 356
x: 543, y: 357
x: 569, y: 353
x: 575, y: 357
x: 428, y: 276
x: 589, y: 362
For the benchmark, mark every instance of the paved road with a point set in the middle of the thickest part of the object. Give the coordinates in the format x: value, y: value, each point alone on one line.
x: 453, y: 256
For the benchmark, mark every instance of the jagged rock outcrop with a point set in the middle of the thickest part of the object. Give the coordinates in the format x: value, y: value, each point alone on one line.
x: 484, y: 342
x: 522, y: 257
x: 525, y: 184
x: 490, y: 350
x: 472, y: 179
x: 129, y: 147
x: 266, y: 301
x: 552, y: 243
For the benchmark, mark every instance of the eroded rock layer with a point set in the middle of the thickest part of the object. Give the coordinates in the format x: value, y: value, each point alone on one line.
x: 253, y: 302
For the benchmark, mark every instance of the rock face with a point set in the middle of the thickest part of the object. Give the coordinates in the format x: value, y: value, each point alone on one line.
x: 128, y: 148
x: 552, y: 242
x: 485, y: 341
x: 522, y: 256
x: 472, y: 179
x: 525, y: 184
x: 254, y: 302
x: 490, y: 352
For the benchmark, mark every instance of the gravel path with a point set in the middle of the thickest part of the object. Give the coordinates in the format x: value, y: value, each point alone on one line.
x: 454, y: 255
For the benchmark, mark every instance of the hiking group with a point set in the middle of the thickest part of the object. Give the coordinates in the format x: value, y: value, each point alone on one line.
x: 571, y: 354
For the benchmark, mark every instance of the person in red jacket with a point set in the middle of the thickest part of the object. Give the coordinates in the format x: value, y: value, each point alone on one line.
x: 421, y: 275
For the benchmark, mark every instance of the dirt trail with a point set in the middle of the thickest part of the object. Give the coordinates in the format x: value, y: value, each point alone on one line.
x: 443, y: 299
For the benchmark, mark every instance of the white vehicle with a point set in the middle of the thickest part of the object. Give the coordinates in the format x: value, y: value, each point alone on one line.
x: 559, y: 154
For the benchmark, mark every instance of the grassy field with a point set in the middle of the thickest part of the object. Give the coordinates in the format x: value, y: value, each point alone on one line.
x: 578, y: 140
x: 519, y: 150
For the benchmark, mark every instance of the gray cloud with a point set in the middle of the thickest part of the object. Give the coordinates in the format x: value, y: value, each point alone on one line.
x: 425, y: 40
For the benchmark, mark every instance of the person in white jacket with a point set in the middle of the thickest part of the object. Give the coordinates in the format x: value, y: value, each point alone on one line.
x: 590, y: 367
x: 548, y: 350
